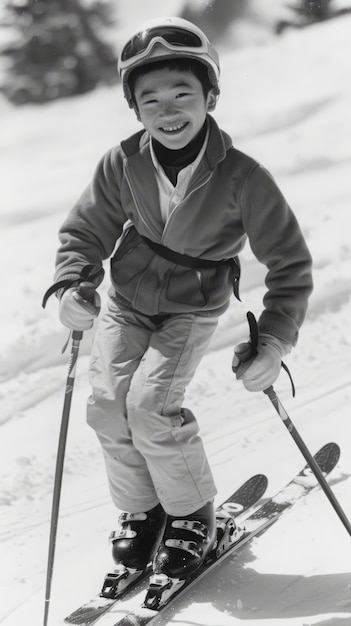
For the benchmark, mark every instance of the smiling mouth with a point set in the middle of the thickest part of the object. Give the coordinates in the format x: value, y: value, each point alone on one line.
x: 174, y: 128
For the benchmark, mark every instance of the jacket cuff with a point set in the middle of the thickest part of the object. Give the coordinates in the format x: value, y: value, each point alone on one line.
x: 282, y: 346
x: 285, y: 329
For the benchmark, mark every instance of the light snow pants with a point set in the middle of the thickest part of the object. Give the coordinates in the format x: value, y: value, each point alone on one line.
x: 139, y: 373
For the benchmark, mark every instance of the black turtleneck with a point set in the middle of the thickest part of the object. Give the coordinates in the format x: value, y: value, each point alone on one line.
x: 172, y: 161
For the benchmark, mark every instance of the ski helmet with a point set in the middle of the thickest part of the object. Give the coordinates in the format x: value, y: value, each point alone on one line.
x: 171, y: 38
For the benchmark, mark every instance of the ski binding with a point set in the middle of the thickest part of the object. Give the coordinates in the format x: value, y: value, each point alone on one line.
x: 228, y: 533
x: 117, y: 581
x: 161, y: 588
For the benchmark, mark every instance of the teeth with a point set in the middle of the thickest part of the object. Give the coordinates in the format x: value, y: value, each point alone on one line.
x: 170, y: 129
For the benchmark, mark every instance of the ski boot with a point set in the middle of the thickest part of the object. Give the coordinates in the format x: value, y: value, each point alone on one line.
x: 186, y: 542
x: 134, y: 545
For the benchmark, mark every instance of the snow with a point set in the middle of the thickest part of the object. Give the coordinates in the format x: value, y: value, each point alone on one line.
x: 287, y: 103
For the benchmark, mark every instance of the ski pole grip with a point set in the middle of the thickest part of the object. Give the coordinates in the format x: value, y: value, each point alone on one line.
x: 87, y: 291
x: 88, y: 297
x: 245, y: 351
x: 253, y: 333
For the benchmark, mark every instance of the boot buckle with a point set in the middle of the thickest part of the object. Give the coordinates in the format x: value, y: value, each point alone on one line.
x: 188, y: 546
x: 194, y: 526
x: 123, y: 533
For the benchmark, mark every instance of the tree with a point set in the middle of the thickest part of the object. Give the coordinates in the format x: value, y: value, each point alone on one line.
x: 58, y: 50
x: 215, y: 17
x: 310, y: 12
x: 314, y: 10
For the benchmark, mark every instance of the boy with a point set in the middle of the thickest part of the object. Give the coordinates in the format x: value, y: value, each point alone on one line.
x: 179, y: 200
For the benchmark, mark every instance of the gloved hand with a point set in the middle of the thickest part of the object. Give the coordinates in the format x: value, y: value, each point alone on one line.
x: 260, y: 371
x: 79, y: 306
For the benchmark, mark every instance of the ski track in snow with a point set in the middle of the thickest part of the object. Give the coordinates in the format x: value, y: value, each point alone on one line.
x: 293, y: 118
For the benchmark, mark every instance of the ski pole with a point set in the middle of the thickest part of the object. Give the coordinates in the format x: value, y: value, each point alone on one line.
x: 308, y: 456
x: 250, y: 350
x: 76, y: 338
x: 86, y: 295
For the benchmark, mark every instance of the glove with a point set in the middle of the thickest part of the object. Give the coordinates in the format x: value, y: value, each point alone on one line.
x: 79, y: 307
x: 260, y: 371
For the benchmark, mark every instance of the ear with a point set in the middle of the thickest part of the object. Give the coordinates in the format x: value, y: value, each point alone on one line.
x: 211, y: 100
x: 136, y: 111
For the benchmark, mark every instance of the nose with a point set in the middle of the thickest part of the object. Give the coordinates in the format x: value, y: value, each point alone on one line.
x: 167, y: 107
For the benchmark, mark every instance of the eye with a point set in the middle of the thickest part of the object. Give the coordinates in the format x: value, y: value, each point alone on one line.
x: 149, y: 102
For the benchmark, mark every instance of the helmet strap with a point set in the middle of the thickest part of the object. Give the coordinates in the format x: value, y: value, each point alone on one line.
x: 136, y: 111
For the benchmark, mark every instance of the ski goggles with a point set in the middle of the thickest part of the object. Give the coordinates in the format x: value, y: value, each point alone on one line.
x: 171, y: 37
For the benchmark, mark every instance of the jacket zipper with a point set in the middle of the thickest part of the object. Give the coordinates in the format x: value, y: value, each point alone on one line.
x: 179, y: 205
x: 204, y: 182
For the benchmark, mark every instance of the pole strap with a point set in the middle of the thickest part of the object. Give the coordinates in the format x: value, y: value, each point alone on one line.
x: 86, y: 274
x: 254, y: 341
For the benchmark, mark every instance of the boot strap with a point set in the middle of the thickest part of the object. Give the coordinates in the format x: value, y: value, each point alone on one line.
x: 196, y: 527
x: 123, y: 533
x: 188, y: 546
x: 132, y: 517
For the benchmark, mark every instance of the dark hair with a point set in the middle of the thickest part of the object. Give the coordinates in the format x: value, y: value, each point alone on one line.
x: 182, y: 64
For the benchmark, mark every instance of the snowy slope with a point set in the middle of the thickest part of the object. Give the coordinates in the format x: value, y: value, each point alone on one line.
x: 288, y: 104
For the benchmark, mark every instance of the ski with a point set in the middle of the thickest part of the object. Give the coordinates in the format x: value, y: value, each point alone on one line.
x: 116, y: 585
x: 162, y: 590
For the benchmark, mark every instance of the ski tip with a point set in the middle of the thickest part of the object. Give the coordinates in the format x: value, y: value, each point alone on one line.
x: 259, y: 478
x: 328, y: 456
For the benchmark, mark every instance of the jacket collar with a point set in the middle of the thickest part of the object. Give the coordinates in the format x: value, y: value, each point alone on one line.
x: 140, y: 172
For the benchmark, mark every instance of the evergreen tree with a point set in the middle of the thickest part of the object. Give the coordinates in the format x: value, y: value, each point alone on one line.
x: 314, y: 10
x: 215, y: 17
x: 58, y: 51
x: 310, y: 12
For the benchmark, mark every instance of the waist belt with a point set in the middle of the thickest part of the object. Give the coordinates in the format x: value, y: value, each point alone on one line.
x: 196, y: 263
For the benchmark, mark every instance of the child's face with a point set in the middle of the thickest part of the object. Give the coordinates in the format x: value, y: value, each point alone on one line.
x: 172, y: 106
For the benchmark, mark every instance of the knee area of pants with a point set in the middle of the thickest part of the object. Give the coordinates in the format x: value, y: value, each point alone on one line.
x: 147, y: 398
x: 100, y: 410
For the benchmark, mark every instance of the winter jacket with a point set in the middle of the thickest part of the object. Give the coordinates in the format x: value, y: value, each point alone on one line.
x: 231, y: 198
